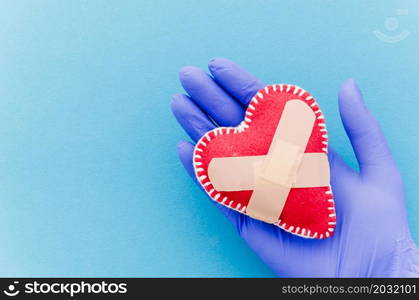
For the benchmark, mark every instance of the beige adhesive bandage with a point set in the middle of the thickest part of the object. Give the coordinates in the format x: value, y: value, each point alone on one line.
x: 230, y: 174
x: 285, y: 165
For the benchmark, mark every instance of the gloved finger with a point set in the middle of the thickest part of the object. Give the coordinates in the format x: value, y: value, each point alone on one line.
x: 241, y: 222
x: 216, y: 102
x: 234, y: 79
x: 193, y: 120
x: 185, y: 152
x: 366, y: 137
x: 340, y: 176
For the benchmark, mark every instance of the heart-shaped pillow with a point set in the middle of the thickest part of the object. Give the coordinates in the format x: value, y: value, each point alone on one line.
x: 273, y: 166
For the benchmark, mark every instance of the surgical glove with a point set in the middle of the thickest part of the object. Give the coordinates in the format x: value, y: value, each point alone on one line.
x: 371, y: 238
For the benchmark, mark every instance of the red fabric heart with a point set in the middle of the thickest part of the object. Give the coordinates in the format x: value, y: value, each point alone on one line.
x: 308, y: 212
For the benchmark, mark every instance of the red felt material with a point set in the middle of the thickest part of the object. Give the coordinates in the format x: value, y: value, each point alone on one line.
x: 308, y: 212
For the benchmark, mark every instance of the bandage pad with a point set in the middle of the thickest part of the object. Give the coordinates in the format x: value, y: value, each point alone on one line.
x: 273, y: 166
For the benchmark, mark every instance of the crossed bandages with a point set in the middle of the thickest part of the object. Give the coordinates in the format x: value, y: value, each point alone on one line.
x: 285, y: 166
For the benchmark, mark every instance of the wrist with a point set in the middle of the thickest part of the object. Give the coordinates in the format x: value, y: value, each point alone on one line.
x: 406, y: 260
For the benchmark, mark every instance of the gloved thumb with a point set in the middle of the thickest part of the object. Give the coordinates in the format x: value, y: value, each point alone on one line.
x: 363, y: 130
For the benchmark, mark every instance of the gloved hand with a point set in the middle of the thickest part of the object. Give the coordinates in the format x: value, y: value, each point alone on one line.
x: 372, y: 237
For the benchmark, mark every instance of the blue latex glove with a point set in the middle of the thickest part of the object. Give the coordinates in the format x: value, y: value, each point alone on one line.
x: 372, y: 237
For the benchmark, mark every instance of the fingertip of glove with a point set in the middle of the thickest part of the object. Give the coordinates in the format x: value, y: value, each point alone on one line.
x: 179, y: 146
x: 185, y: 153
x: 179, y: 102
x: 174, y: 104
x: 183, y: 146
x: 188, y: 71
x: 174, y: 100
x: 350, y: 81
x: 216, y: 63
x: 348, y: 87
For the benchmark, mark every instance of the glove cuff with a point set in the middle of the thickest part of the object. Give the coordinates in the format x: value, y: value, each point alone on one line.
x: 407, y: 260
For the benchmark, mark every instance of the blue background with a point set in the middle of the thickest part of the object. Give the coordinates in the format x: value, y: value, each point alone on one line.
x: 90, y: 183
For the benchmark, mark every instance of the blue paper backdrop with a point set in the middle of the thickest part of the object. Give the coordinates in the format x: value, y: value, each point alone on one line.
x: 90, y: 183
